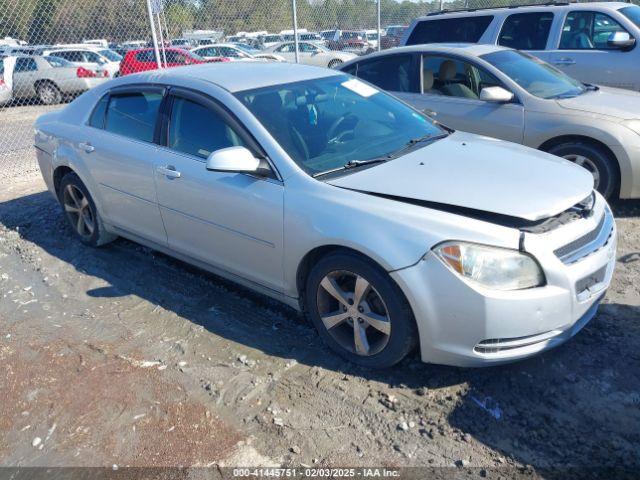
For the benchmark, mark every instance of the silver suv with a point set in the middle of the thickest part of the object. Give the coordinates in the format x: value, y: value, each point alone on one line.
x: 579, y: 38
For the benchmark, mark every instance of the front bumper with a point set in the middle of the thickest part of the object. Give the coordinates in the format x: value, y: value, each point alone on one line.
x: 462, y: 324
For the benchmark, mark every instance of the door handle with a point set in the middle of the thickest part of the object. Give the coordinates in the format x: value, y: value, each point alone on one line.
x: 87, y: 147
x: 169, y: 171
x: 564, y: 61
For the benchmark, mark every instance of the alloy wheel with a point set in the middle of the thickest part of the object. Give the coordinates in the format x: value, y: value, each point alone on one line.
x: 353, y: 313
x: 588, y: 164
x: 78, y: 211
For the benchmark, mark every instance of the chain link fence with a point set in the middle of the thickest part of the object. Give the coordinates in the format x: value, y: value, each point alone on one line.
x: 53, y: 50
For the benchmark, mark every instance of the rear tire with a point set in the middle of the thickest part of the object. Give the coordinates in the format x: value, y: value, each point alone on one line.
x: 49, y: 93
x: 81, y: 212
x: 594, y: 159
x: 359, y: 311
x: 334, y: 63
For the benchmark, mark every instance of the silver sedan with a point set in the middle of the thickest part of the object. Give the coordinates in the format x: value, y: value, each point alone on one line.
x: 506, y: 94
x: 314, y: 188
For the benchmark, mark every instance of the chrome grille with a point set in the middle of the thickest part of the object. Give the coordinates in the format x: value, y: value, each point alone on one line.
x: 588, y: 243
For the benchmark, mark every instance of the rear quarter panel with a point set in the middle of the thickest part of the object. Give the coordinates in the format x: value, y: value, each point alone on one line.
x: 57, y: 135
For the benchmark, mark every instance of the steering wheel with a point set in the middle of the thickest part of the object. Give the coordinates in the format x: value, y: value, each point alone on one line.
x: 334, y: 134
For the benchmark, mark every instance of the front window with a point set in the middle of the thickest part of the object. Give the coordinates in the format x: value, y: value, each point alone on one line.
x: 588, y: 31
x: 454, y: 78
x: 197, y: 130
x: 535, y: 76
x: 327, y: 122
x: 632, y: 13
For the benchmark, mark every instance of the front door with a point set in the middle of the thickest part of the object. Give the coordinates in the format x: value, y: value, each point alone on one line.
x: 451, y: 95
x: 232, y: 221
x: 583, y: 52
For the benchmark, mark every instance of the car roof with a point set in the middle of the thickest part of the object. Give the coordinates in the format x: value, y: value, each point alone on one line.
x: 518, y: 8
x: 239, y: 76
x: 471, y: 49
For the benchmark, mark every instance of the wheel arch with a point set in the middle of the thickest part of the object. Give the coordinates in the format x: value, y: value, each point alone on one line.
x: 314, y: 255
x: 562, y: 139
x: 42, y: 81
x: 58, y: 174
x: 559, y: 140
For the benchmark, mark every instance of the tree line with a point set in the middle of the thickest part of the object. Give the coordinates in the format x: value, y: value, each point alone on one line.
x: 55, y: 21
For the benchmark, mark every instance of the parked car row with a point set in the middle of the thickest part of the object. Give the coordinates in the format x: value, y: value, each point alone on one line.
x: 50, y: 79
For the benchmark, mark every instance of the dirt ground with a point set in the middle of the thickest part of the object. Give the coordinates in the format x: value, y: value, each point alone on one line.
x: 124, y: 356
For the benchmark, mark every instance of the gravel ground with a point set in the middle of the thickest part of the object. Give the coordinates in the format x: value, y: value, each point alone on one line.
x: 124, y: 356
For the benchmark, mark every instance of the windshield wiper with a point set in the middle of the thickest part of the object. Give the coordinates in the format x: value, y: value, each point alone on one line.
x: 351, y: 164
x: 360, y: 163
x: 415, y: 141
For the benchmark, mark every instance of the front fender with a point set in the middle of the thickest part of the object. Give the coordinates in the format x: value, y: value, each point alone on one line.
x: 393, y: 234
x: 623, y: 142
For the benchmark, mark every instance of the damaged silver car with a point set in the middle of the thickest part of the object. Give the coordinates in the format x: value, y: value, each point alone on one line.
x: 389, y: 231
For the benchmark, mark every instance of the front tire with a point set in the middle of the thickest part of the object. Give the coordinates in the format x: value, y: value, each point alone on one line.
x: 594, y: 159
x: 81, y: 212
x: 334, y: 63
x: 359, y: 311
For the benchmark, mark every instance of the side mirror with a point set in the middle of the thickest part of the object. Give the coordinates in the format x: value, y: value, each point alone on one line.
x: 496, y: 94
x: 621, y: 40
x: 233, y: 159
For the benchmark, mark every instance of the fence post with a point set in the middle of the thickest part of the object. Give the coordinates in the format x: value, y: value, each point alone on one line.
x: 153, y: 34
x: 441, y: 5
x: 295, y: 28
x: 379, y: 25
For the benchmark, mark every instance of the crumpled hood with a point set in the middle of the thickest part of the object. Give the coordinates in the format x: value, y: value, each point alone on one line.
x: 478, y: 173
x: 613, y: 102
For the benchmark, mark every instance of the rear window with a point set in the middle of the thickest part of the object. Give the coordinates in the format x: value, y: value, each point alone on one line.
x: 446, y: 30
x: 393, y: 73
x: 526, y: 31
x: 58, y: 62
x: 133, y: 115
x: 146, y: 56
x: 97, y: 116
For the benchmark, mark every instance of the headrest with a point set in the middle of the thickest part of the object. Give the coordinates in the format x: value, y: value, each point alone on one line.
x: 447, y: 71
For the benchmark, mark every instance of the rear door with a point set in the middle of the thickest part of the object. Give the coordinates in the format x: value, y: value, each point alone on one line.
x: 582, y: 51
x: 119, y: 150
x: 451, y: 94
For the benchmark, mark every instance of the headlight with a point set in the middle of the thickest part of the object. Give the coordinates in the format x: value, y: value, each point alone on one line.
x: 633, y: 125
x: 491, y: 267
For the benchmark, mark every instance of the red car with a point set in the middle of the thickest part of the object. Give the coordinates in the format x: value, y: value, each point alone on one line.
x: 145, y: 59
